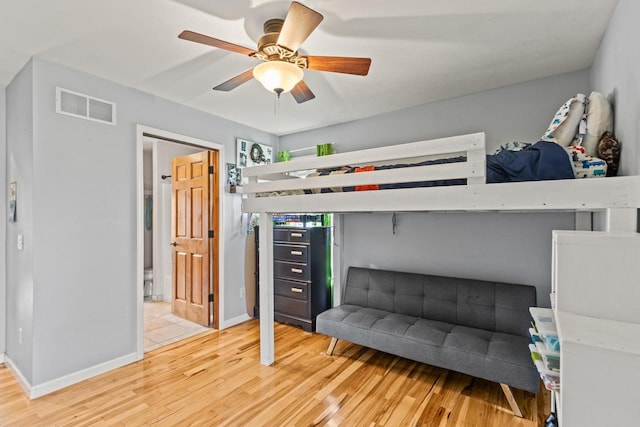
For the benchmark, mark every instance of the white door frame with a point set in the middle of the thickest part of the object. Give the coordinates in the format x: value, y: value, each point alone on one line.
x: 141, y: 132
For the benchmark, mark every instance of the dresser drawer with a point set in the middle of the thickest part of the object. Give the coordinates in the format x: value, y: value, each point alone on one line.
x: 290, y: 289
x: 293, y: 235
x: 291, y: 270
x: 284, y: 252
x: 290, y: 306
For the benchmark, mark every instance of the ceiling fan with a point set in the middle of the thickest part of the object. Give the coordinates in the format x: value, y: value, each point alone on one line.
x: 282, y: 68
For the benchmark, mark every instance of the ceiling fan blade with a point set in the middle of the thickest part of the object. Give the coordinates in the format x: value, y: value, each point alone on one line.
x: 210, y: 41
x: 339, y: 64
x: 299, y: 23
x: 236, y: 81
x: 302, y: 93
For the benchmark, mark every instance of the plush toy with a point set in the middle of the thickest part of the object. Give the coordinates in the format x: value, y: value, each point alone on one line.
x: 609, y: 151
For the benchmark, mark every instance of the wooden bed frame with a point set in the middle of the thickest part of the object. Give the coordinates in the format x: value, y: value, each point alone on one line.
x: 617, y: 198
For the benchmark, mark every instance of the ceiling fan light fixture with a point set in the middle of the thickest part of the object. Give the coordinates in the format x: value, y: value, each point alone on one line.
x: 278, y: 76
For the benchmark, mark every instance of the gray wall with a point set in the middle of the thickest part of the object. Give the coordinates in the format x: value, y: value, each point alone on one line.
x: 515, y: 113
x: 616, y: 74
x: 504, y: 247
x: 509, y: 247
x: 20, y: 274
x: 83, y: 187
x: 3, y: 219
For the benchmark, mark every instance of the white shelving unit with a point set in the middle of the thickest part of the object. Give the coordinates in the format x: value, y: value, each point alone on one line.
x: 596, y: 299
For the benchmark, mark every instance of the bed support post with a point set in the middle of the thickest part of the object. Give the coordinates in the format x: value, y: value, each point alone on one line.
x: 621, y: 219
x: 511, y: 399
x: 336, y: 273
x: 584, y: 221
x: 332, y: 345
x: 267, y: 352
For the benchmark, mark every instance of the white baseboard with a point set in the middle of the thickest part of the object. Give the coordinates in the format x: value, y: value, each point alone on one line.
x: 22, y: 381
x: 235, y: 321
x: 76, y: 377
x: 1, y: 357
x: 34, y: 391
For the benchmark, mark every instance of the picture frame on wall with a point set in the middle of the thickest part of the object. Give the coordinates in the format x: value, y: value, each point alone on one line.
x: 234, y: 178
x: 13, y: 202
x: 249, y: 153
x: 234, y: 174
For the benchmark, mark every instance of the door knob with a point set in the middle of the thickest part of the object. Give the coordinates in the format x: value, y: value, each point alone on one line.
x: 173, y: 244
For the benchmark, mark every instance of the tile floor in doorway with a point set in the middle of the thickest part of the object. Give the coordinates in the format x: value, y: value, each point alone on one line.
x: 162, y: 328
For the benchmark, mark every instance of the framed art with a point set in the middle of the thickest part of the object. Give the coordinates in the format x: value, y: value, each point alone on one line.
x: 250, y: 153
x: 234, y: 175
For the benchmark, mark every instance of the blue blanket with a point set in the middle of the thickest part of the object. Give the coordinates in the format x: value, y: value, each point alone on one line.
x: 541, y: 161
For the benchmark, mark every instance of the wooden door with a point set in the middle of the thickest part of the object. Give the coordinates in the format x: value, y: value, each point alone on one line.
x: 194, y: 226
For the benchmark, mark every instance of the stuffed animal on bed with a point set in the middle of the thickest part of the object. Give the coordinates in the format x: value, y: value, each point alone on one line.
x: 609, y: 151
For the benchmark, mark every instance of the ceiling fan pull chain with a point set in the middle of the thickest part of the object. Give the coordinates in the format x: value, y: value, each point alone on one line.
x: 275, y: 104
x: 276, y: 101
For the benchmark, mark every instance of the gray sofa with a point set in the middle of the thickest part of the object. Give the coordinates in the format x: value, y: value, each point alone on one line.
x: 475, y: 327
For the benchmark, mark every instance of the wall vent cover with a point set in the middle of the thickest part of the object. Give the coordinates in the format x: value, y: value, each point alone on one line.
x: 84, y: 106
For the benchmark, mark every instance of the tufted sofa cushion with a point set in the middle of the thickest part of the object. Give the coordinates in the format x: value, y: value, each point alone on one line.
x: 474, y: 327
x: 492, y: 306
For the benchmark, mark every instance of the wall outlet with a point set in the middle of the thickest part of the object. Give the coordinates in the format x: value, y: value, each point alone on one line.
x: 20, y: 340
x: 20, y: 242
x: 242, y: 292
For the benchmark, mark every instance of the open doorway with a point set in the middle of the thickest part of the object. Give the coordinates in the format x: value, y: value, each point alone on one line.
x: 155, y: 149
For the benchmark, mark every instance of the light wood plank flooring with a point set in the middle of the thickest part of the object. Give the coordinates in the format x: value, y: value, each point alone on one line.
x: 215, y: 379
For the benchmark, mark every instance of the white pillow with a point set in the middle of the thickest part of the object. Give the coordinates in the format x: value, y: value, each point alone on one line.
x: 599, y: 121
x: 564, y: 126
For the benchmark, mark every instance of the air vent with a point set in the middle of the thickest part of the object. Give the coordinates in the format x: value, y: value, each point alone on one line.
x: 85, y: 107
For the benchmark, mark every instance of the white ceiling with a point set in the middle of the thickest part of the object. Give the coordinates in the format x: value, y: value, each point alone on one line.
x: 421, y: 51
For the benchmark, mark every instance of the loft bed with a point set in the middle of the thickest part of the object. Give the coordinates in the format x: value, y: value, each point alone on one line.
x: 280, y: 187
x: 315, y: 184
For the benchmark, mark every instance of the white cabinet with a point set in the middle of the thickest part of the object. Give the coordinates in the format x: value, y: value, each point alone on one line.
x: 596, y: 281
x: 597, y: 274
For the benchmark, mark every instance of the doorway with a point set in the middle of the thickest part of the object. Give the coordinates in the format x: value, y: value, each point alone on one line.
x: 171, y: 145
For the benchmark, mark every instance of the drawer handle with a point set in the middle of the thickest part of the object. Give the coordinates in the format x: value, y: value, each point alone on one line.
x: 296, y: 270
x: 296, y: 234
x: 296, y: 252
x: 296, y: 290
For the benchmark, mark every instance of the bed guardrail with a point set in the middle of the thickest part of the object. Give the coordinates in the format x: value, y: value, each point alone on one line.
x: 281, y: 178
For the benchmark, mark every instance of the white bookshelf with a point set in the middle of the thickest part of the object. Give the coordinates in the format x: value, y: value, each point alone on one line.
x: 597, y: 274
x: 596, y: 281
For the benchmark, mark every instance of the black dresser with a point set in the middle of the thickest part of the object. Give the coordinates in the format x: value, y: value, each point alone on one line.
x: 301, y: 275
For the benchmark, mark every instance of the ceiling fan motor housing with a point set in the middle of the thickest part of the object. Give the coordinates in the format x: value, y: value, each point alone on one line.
x: 267, y: 45
x: 268, y: 48
x: 273, y: 25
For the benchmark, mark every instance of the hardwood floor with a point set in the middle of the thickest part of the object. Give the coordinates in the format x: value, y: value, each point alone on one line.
x: 215, y: 379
